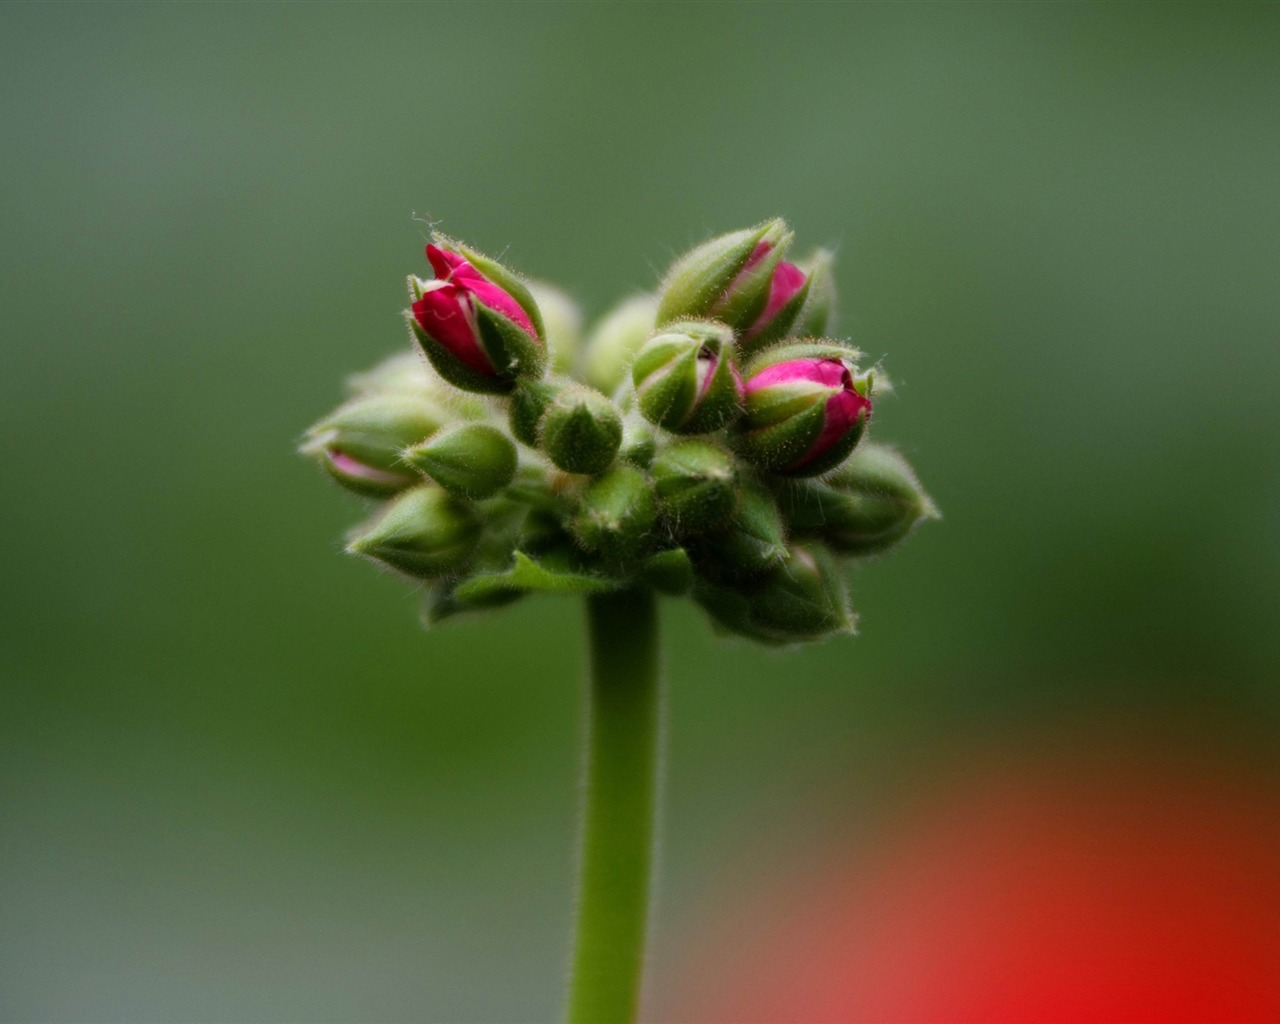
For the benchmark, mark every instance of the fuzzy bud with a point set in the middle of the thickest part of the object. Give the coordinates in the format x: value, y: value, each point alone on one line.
x: 469, y: 460
x: 669, y: 572
x: 581, y: 430
x: 638, y: 441
x: 360, y: 443
x: 753, y: 541
x: 806, y: 406
x: 685, y: 378
x: 528, y: 404
x: 802, y: 600
x: 788, y: 291
x: 727, y: 278
x: 614, y: 342
x: 866, y: 506
x: 477, y: 322
x: 617, y: 514
x: 423, y: 533
x: 696, y: 486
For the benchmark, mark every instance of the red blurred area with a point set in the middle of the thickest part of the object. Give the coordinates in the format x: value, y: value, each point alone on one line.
x: 1078, y: 889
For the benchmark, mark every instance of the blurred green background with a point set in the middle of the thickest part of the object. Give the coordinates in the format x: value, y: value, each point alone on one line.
x: 239, y: 783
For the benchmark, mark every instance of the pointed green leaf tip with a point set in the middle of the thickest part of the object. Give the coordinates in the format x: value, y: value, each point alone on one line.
x: 529, y: 575
x: 423, y: 533
x: 470, y: 460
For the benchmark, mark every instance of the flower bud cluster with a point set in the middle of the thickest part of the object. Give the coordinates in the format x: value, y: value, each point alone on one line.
x: 708, y: 439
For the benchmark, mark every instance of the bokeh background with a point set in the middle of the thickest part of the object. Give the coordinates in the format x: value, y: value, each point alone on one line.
x: 238, y: 783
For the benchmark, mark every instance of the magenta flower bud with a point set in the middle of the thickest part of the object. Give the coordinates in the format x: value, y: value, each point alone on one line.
x: 728, y: 279
x: 806, y: 408
x: 477, y: 322
x: 788, y: 289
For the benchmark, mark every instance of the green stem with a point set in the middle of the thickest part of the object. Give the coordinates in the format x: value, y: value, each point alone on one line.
x: 623, y: 739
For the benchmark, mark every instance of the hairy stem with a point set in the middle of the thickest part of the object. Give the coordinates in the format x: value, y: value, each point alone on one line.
x: 623, y: 742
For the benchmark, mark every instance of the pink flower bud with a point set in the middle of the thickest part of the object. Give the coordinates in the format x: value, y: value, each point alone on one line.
x: 804, y: 414
x: 787, y: 291
x: 472, y: 327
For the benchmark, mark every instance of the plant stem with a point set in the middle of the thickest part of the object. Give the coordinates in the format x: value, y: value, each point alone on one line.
x: 616, y: 855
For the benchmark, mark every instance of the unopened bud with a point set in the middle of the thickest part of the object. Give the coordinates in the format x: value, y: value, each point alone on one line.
x: 617, y: 514
x: 803, y: 599
x: 638, y: 441
x: 614, y: 341
x: 562, y: 320
x: 727, y: 278
x: 470, y: 460
x: 528, y: 404
x: 788, y: 290
x: 685, y: 377
x: 670, y: 572
x: 477, y: 321
x: 581, y: 430
x: 360, y: 443
x: 817, y: 317
x: 866, y: 506
x: 696, y: 486
x: 424, y: 533
x: 806, y: 407
x: 753, y: 541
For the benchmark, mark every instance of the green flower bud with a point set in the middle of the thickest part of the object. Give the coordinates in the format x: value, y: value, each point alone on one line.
x: 806, y: 407
x: 685, y: 378
x: 638, y: 441
x: 360, y: 443
x: 817, y: 317
x: 696, y: 486
x: 563, y: 321
x: 869, y: 504
x: 617, y: 514
x: 581, y: 430
x: 727, y: 278
x: 615, y: 339
x: 802, y: 600
x: 424, y: 533
x: 670, y: 572
x: 470, y: 460
x: 753, y: 541
x: 528, y: 404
